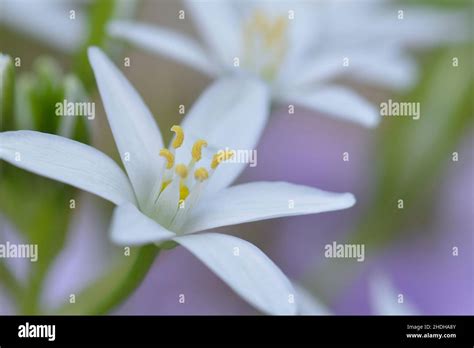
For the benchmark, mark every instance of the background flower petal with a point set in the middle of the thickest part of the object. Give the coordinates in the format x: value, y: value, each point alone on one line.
x: 219, y: 26
x: 166, y: 42
x: 338, y: 102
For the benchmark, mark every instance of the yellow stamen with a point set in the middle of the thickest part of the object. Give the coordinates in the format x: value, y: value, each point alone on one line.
x: 169, y: 158
x: 221, y: 156
x: 181, y: 170
x: 179, y: 136
x: 201, y: 174
x: 260, y: 21
x: 277, y: 31
x: 183, y: 192
x: 197, y: 149
x: 265, y: 36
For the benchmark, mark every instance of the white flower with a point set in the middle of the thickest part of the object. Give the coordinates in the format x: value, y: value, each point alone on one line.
x: 300, y: 47
x: 165, y: 196
x: 47, y: 20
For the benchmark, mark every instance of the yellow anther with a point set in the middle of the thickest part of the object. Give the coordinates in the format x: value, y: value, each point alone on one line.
x: 277, y: 31
x: 164, y: 184
x: 168, y: 156
x: 201, y: 174
x: 197, y: 149
x: 221, y: 156
x: 265, y: 36
x: 183, y: 192
x: 260, y: 21
x: 181, y: 170
x: 179, y: 136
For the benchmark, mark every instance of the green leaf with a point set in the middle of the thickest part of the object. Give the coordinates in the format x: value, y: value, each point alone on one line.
x: 116, y: 286
x: 38, y: 208
x: 46, y: 92
x: 99, y: 14
x: 75, y: 127
x: 23, y: 113
x: 409, y: 160
x: 7, y: 85
x: 412, y: 153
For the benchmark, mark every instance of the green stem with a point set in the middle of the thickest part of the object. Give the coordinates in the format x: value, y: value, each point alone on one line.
x: 131, y: 281
x: 10, y: 283
x: 107, y: 293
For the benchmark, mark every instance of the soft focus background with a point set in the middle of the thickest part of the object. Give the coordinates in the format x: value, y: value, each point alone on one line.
x: 402, y: 158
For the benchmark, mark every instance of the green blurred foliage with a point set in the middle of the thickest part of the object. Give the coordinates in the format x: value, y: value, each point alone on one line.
x: 7, y: 86
x: 106, y: 293
x: 412, y: 153
x: 32, y: 105
x: 409, y: 161
x: 38, y: 208
x: 100, y: 13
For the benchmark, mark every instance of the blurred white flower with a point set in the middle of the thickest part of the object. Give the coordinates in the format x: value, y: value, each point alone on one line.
x: 61, y: 24
x: 386, y: 300
x: 160, y: 200
x: 50, y: 21
x: 383, y: 297
x: 300, y: 47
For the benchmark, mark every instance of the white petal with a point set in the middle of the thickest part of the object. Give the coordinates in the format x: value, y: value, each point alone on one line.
x: 219, y: 25
x: 263, y: 200
x: 384, y: 69
x: 130, y: 227
x: 167, y: 203
x: 67, y: 161
x: 384, y: 298
x: 249, y: 272
x: 231, y: 113
x: 421, y: 26
x: 316, y: 70
x: 307, y: 303
x: 338, y: 102
x: 162, y: 41
x: 304, y: 33
x: 135, y: 131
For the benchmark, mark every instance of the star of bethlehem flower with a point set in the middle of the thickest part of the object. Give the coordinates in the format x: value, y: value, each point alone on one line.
x: 169, y: 194
x: 300, y: 47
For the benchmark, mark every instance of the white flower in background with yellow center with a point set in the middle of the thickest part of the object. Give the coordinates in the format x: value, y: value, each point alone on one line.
x: 169, y: 194
x: 265, y: 43
x: 304, y: 50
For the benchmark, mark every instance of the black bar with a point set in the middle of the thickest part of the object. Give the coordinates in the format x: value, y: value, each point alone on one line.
x: 141, y: 330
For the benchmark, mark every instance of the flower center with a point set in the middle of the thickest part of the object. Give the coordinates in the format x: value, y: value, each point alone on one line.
x: 265, y: 44
x: 177, y: 191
